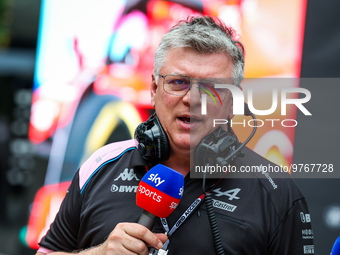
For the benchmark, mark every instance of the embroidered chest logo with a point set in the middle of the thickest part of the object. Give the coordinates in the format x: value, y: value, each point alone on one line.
x: 126, y: 175
x: 231, y: 194
x: 305, y: 217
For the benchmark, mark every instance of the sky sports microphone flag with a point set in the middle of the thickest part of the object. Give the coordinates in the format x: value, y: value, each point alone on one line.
x: 160, y: 191
x: 336, y: 247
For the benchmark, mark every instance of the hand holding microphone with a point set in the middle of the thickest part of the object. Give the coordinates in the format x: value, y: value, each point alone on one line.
x: 159, y: 193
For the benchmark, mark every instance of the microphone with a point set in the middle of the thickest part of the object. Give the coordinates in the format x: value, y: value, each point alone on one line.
x: 336, y: 247
x: 159, y: 193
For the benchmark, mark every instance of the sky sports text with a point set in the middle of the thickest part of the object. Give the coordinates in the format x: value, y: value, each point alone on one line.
x: 157, y: 180
x: 152, y: 194
x: 239, y: 99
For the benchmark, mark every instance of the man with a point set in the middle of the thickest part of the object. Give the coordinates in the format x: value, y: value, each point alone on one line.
x: 258, y: 214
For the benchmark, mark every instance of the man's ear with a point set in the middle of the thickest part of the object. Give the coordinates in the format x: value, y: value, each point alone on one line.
x: 153, y: 90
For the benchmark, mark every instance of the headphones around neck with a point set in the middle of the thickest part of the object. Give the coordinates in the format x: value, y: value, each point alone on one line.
x: 154, y: 147
x: 153, y: 143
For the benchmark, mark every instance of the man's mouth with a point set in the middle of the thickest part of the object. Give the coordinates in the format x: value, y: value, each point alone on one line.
x: 188, y: 120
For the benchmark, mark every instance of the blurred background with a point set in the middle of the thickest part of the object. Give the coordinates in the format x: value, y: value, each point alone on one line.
x: 75, y: 75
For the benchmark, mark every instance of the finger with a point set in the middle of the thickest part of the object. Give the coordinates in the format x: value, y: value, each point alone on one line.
x: 135, y: 246
x: 121, y: 242
x: 162, y: 237
x: 140, y: 232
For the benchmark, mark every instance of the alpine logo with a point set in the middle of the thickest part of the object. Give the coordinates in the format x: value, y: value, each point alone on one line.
x: 231, y: 194
x: 127, y: 175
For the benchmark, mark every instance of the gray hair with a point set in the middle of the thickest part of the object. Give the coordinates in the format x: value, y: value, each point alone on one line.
x: 205, y: 35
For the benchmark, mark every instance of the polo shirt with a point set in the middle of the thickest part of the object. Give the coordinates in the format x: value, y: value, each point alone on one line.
x: 257, y: 212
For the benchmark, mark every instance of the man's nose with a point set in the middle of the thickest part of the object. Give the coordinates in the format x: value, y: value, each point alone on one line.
x: 193, y: 96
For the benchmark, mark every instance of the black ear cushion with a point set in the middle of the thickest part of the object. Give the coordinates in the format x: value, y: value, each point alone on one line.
x: 153, y: 144
x: 164, y: 141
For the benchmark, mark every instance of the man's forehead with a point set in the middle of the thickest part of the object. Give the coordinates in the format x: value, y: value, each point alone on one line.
x: 222, y: 80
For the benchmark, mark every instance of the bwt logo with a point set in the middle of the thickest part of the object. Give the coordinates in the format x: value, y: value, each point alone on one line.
x: 238, y: 100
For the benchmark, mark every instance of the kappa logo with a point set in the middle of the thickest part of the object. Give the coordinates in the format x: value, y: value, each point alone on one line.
x: 127, y: 175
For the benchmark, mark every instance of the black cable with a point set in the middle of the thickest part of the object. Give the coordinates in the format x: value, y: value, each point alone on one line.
x: 208, y: 196
x: 212, y: 219
x: 213, y: 224
x: 222, y: 161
